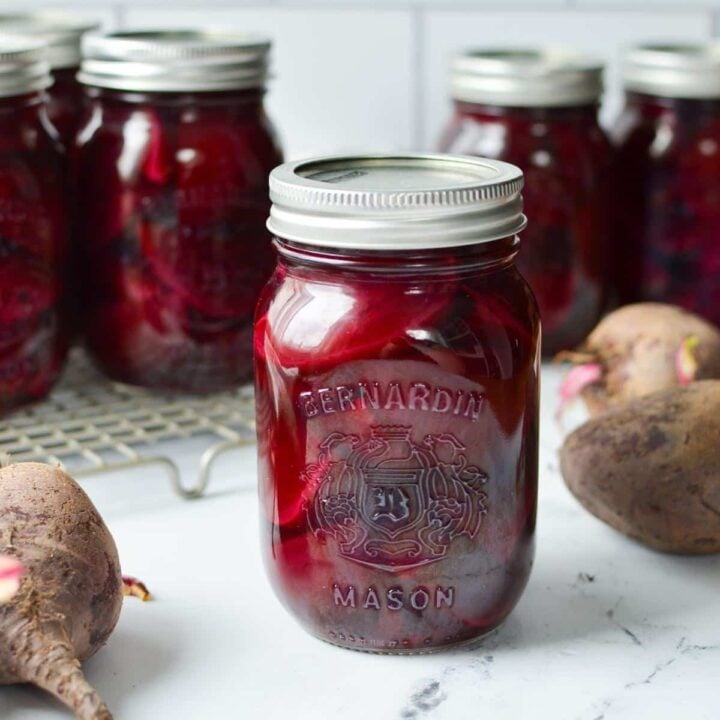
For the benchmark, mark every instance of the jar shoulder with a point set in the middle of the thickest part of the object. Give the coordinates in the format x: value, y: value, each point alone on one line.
x: 30, y: 140
x: 141, y: 139
x: 507, y: 130
x: 555, y: 157
x: 668, y: 137
x: 316, y: 324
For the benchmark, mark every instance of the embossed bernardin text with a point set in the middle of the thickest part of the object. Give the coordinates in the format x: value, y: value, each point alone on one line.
x: 394, y: 598
x: 392, y: 501
x: 397, y: 395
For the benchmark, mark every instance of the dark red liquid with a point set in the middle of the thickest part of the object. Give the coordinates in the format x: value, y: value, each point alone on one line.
x: 172, y: 206
x: 397, y: 402
x: 33, y: 253
x: 566, y: 159
x: 67, y: 103
x: 668, y: 178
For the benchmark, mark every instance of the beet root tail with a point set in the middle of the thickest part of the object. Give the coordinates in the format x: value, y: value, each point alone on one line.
x: 55, y: 669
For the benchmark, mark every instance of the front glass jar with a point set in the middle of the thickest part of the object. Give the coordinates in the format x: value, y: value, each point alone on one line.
x: 173, y: 237
x: 538, y: 110
x: 61, y: 34
x: 668, y: 138
x: 33, y: 230
x: 396, y: 351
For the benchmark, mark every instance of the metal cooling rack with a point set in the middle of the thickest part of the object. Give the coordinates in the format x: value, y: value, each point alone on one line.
x: 90, y: 425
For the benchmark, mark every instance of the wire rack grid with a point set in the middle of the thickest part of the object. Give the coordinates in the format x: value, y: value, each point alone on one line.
x: 90, y: 425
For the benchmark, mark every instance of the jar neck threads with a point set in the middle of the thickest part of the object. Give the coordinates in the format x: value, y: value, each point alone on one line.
x: 246, y: 98
x: 657, y: 104
x: 438, y: 262
x: 567, y: 114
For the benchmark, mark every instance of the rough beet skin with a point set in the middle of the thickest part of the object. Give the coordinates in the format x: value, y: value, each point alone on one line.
x: 651, y: 468
x: 70, y: 595
x: 640, y: 349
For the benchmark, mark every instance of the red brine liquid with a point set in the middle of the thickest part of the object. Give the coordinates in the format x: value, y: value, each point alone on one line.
x: 397, y: 407
x: 668, y: 170
x: 173, y: 203
x: 33, y: 252
x: 566, y: 159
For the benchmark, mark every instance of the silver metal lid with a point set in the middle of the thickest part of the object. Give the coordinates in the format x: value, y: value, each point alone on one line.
x: 23, y: 67
x: 174, y: 61
x: 526, y: 78
x: 61, y: 34
x: 682, y: 71
x: 395, y: 202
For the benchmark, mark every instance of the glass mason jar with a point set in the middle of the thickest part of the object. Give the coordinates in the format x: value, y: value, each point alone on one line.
x: 668, y: 176
x: 61, y: 34
x: 539, y: 110
x: 174, y: 239
x: 396, y: 351
x: 33, y: 230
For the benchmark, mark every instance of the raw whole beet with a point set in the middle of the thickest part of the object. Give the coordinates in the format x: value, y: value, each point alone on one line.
x: 651, y: 468
x: 70, y: 594
x: 639, y: 349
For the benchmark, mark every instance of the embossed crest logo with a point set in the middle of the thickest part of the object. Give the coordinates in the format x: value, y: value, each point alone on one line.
x: 390, y: 502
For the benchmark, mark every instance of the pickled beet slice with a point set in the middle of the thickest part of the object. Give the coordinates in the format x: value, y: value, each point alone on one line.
x: 158, y: 164
x: 145, y: 339
x: 33, y: 253
x: 210, y: 267
x: 565, y: 157
x: 327, y: 325
x: 502, y: 325
x: 13, y: 335
x: 30, y: 222
x: 669, y: 221
x: 157, y: 304
x: 178, y: 240
x: 209, y: 329
x: 29, y: 367
x: 483, y: 330
x: 108, y: 206
x: 223, y: 171
x: 25, y: 290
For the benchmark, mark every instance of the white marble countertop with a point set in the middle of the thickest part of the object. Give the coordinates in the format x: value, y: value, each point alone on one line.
x: 606, y: 630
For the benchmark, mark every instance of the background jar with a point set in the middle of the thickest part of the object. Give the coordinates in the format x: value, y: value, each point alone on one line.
x: 33, y: 229
x: 668, y: 138
x: 174, y: 241
x: 397, y: 395
x: 61, y: 34
x: 538, y: 110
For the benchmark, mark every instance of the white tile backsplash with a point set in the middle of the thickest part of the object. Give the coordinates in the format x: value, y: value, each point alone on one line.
x: 343, y: 77
x: 648, y: 5
x: 354, y: 75
x: 103, y: 12
x: 599, y: 33
x: 437, y: 4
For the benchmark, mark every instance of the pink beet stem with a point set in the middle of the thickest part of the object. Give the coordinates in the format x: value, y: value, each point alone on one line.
x: 576, y: 381
x: 14, y: 572
x: 135, y: 588
x: 686, y: 364
x: 11, y: 574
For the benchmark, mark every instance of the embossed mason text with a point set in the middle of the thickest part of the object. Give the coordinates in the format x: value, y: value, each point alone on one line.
x: 372, y: 395
x: 394, y: 598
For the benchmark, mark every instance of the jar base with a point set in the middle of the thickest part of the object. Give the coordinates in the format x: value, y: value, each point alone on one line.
x: 165, y: 383
x: 467, y: 643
